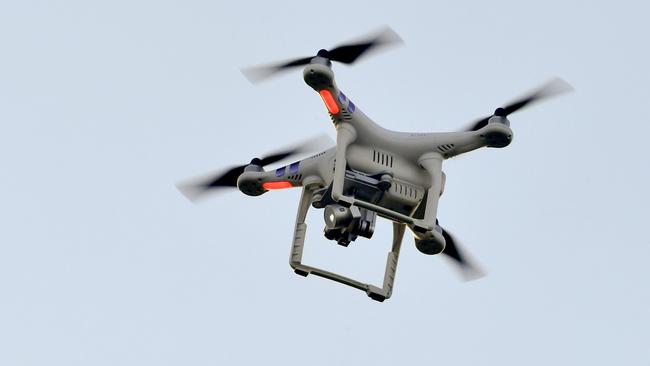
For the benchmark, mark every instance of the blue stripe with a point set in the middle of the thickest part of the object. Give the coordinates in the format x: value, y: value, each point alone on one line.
x: 293, y: 168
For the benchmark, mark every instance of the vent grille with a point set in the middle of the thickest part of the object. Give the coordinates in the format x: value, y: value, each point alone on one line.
x: 446, y: 148
x: 382, y: 158
x: 295, y: 177
x: 405, y: 190
x: 343, y: 115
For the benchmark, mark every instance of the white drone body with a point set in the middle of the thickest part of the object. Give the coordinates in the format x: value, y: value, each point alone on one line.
x: 372, y: 172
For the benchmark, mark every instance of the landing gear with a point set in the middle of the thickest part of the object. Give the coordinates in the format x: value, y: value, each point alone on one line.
x: 377, y: 297
x: 299, y: 272
x: 295, y: 259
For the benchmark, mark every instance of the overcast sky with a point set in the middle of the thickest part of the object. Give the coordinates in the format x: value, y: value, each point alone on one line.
x: 104, y: 106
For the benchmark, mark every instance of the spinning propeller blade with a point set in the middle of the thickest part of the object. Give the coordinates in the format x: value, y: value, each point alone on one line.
x: 469, y: 270
x: 195, y: 189
x: 552, y: 88
x: 347, y: 54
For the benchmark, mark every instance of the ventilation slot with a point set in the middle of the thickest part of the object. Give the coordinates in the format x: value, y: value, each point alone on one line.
x: 295, y: 177
x: 405, y: 190
x: 382, y: 158
x: 446, y: 148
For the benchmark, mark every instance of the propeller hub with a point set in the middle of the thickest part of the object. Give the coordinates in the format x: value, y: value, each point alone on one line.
x: 500, y: 112
x: 256, y: 161
x: 323, y: 53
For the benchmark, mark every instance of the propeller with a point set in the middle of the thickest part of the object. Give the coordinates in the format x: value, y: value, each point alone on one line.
x: 347, y: 54
x: 469, y: 270
x: 197, y: 188
x: 551, y: 88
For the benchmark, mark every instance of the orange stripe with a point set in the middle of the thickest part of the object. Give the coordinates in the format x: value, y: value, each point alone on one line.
x: 330, y: 103
x: 276, y: 185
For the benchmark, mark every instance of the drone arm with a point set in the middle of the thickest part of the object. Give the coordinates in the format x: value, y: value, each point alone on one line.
x: 496, y: 134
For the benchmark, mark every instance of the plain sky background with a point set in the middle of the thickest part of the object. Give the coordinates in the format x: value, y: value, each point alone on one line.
x: 104, y: 106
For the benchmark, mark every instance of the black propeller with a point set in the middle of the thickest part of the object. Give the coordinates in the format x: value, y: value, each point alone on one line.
x: 195, y: 189
x: 452, y: 250
x: 346, y: 54
x: 550, y: 89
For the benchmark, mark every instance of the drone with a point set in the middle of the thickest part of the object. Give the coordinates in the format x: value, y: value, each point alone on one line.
x: 371, y: 172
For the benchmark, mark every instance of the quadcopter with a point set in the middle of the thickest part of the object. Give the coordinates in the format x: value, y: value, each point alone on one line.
x: 371, y: 172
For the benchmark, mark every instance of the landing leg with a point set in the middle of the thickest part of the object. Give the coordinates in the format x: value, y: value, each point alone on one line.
x: 428, y: 239
x: 391, y: 266
x: 432, y: 163
x: 300, y: 231
x: 345, y: 135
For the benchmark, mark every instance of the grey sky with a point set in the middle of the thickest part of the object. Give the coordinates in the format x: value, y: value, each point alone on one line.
x: 105, y: 105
